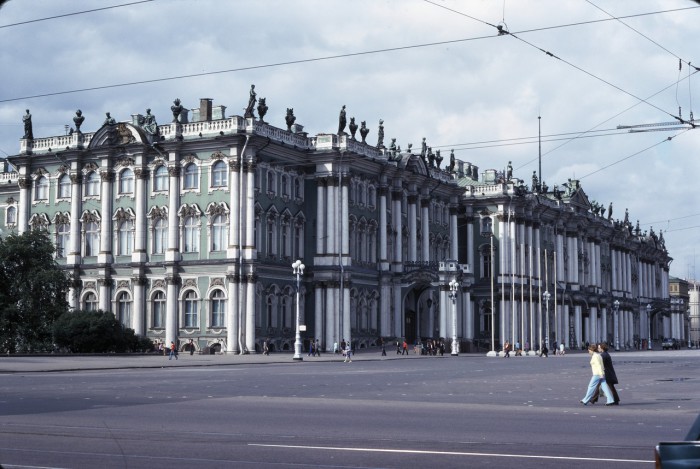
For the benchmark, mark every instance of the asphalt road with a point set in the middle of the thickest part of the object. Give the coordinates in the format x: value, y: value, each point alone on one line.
x: 272, y: 412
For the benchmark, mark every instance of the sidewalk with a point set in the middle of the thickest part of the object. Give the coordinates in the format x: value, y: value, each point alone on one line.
x: 57, y: 363
x: 54, y: 363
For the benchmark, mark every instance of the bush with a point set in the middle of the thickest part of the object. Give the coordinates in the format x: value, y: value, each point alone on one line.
x: 96, y: 332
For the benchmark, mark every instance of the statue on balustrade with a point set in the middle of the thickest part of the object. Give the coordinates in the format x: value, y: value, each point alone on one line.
x: 250, y: 110
x: 27, y: 121
x: 353, y: 127
x: 78, y: 120
x: 342, y: 121
x: 364, y: 131
x: 290, y: 118
x: 177, y: 110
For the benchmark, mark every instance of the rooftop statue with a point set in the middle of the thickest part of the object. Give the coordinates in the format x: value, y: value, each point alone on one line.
x: 353, y: 127
x: 249, y: 111
x: 149, y: 124
x: 78, y: 120
x: 262, y: 109
x: 610, y: 211
x: 342, y: 121
x: 177, y: 109
x: 290, y: 118
x: 438, y: 159
x: 109, y: 120
x: 363, y: 131
x: 451, y: 168
x: 380, y: 134
x: 27, y: 121
x: 509, y: 171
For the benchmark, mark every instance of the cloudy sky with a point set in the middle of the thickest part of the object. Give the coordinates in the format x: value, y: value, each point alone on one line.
x: 436, y: 69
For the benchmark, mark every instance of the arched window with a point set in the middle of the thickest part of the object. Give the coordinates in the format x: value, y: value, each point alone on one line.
x: 41, y: 188
x: 92, y: 238
x: 62, y: 239
x: 160, y: 236
x: 191, y: 316
x: 90, y: 302
x: 191, y: 235
x: 158, y: 310
x: 297, y: 188
x: 126, y: 182
x: 160, y: 179
x: 64, y: 187
x: 92, y: 184
x: 126, y: 237
x: 218, y: 233
x: 191, y: 181
x: 11, y: 215
x: 218, y: 309
x: 271, y: 182
x: 124, y: 309
x: 219, y: 174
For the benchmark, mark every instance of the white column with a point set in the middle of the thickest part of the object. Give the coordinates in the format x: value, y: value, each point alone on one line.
x: 319, y: 323
x: 382, y: 228
x: 250, y: 314
x: 454, y: 238
x: 321, y: 198
x: 578, y: 324
x: 398, y: 227
x: 232, y: 332
x: 106, y: 197
x: 139, y: 306
x: 140, y: 198
x: 171, y: 310
x: 412, y: 227
x: 425, y: 221
x: 593, y: 314
x: 76, y: 201
x: 25, y: 198
x: 173, y: 252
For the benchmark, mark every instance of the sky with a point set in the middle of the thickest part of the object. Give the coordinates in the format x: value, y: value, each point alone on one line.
x: 571, y: 71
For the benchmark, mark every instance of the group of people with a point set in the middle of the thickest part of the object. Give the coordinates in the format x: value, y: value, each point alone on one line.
x: 314, y: 348
x: 543, y: 351
x: 603, y: 376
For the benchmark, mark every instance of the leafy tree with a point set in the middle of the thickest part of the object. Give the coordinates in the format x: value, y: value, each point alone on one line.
x: 96, y: 332
x: 33, y: 292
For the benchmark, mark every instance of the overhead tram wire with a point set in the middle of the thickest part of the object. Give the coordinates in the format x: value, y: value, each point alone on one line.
x: 524, y: 140
x: 667, y: 139
x: 318, y: 59
x: 599, y: 124
x: 74, y: 13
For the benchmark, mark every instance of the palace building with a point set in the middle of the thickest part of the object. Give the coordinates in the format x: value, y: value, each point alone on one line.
x: 189, y: 230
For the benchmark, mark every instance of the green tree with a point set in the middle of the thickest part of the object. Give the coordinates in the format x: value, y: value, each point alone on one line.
x: 96, y: 332
x: 33, y: 292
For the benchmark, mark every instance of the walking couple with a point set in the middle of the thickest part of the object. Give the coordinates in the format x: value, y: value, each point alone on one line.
x: 604, y: 377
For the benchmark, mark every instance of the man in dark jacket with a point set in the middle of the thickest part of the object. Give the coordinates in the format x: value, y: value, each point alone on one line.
x: 610, y: 376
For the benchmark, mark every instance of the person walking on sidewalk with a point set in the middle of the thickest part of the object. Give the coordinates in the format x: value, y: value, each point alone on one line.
x: 348, y: 352
x: 598, y: 378
x: 173, y: 351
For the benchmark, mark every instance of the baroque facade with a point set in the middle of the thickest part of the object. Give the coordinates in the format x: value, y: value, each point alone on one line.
x: 188, y: 231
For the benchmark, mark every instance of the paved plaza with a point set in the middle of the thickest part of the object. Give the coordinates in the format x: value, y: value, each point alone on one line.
x: 376, y: 412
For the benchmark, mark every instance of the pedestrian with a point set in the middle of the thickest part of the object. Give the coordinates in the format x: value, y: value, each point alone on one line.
x: 173, y: 351
x: 191, y: 347
x: 317, y: 348
x: 597, y: 378
x: 266, y: 347
x: 161, y: 350
x: 404, y: 348
x: 610, y: 376
x: 506, y: 350
x: 381, y: 342
x: 311, y: 348
x: 562, y: 352
x: 398, y: 347
x: 348, y: 353
x: 544, y: 351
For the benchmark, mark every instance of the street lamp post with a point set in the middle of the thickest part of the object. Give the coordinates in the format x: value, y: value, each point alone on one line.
x: 616, y: 324
x: 546, y: 296
x: 649, y: 319
x: 453, y: 296
x: 298, y: 270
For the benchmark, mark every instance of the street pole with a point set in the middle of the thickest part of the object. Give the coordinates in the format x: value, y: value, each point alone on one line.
x: 453, y: 296
x: 298, y: 270
x: 649, y: 319
x: 616, y: 324
x: 546, y: 296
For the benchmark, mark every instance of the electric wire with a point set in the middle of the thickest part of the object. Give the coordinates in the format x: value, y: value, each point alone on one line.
x: 73, y: 14
x: 330, y: 57
x: 667, y: 139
